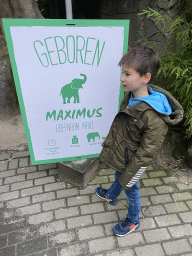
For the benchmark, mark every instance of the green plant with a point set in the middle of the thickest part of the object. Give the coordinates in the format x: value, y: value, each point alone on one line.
x: 176, y: 60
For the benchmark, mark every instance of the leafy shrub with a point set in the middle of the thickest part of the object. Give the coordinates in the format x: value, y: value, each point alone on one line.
x: 176, y: 60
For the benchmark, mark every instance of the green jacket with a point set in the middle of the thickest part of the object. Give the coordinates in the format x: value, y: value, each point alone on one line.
x: 136, y: 135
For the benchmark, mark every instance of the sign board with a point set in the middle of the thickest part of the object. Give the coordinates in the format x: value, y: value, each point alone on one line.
x: 68, y: 83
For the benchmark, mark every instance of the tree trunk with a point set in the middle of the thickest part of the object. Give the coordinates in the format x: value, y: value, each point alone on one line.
x: 26, y: 9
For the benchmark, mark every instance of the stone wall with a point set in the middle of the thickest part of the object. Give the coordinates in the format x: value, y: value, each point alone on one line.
x: 140, y: 26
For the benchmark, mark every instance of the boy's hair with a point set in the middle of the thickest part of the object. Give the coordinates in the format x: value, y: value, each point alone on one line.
x: 143, y: 59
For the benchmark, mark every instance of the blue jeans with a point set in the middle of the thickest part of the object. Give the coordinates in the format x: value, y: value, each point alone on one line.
x: 133, y: 197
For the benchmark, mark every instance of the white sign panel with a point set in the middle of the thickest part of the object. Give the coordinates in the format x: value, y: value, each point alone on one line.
x: 68, y: 83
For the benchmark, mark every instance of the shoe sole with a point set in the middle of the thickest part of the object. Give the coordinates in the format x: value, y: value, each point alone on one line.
x: 108, y: 200
x: 133, y: 229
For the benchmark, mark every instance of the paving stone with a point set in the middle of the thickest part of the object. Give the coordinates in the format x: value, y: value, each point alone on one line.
x: 88, y: 190
x: 145, y: 201
x: 79, y: 249
x: 165, y: 189
x: 111, y: 178
x: 21, y: 185
x: 152, y: 182
x: 92, y: 208
x: 40, y: 218
x: 181, y: 230
x: 121, y: 252
x: 9, y: 196
x: 186, y: 216
x: 176, y: 207
x: 43, y: 197
x: 27, y: 169
x: 35, y: 175
x: 22, y: 235
x: 4, y: 156
x: 31, y: 191
x: 167, y: 220
x: 106, y: 186
x: 169, y: 180
x: 90, y: 232
x: 79, y: 221
x: 54, y: 204
x: 7, y: 173
x: 9, y: 251
x: 20, y: 154
x: 122, y: 204
x: 54, y: 186
x: 3, y: 165
x: 42, y: 167
x: 3, y: 241
x: 189, y: 203
x: 18, y: 202
x: 12, y: 225
x: 153, y: 210
x: 183, y: 186
x: 159, y: 199
x: 32, y: 246
x: 53, y: 172
x: 66, y: 212
x: 144, y: 176
x: 14, y: 179
x: 67, y: 193
x: 147, y: 223
x: 6, y: 214
x: 105, y: 217
x: 102, y: 244
x: 28, y: 210
x: 13, y: 164
x: 45, y: 180
x: 52, y: 227
x: 72, y: 201
x: 177, y: 247
x: 150, y: 250
x: 23, y: 162
x: 61, y: 239
x: 51, y: 252
x: 133, y: 240
x: 4, y: 189
x: 106, y: 172
x: 100, y: 180
x: 147, y: 191
x: 156, y: 235
x: 1, y: 182
x: 108, y: 229
x: 182, y: 196
x: 157, y: 174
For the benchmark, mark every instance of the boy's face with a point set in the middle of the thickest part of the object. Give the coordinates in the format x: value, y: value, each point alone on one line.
x: 131, y: 79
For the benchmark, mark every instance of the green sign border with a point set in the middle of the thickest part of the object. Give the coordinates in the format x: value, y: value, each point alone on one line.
x: 7, y: 23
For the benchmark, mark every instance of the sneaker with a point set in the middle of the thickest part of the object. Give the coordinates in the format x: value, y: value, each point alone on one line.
x: 101, y: 192
x: 125, y: 227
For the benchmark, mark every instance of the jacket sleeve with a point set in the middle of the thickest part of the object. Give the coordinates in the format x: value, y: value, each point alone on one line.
x: 153, y: 136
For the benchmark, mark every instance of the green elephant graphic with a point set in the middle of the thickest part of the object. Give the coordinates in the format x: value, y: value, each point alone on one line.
x: 92, y: 136
x: 72, y: 89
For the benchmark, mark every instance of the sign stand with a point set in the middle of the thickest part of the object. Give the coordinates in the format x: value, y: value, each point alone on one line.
x: 79, y: 172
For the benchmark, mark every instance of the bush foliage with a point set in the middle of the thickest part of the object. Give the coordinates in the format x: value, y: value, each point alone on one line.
x: 176, y: 60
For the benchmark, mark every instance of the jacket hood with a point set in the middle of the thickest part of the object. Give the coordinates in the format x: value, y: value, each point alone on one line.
x: 166, y: 105
x: 177, y: 111
x: 156, y: 100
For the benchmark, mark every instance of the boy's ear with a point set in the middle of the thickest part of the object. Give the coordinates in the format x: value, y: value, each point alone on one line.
x: 147, y: 78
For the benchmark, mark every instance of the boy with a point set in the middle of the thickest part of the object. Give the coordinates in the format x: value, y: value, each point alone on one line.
x: 137, y: 131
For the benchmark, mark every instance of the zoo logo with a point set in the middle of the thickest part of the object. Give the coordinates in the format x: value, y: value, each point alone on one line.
x: 72, y: 89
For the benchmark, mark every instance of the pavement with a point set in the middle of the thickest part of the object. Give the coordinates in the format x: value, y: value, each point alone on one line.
x: 41, y: 215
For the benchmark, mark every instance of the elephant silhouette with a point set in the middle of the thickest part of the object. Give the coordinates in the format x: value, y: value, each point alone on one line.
x: 72, y: 89
x: 92, y: 135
